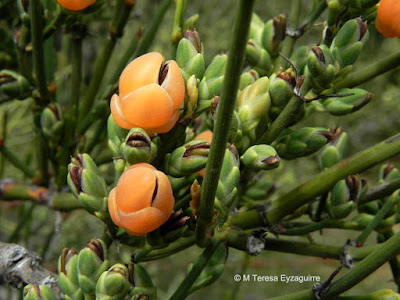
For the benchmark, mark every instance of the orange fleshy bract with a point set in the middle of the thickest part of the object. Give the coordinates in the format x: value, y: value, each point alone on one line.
x: 145, y: 99
x: 142, y: 200
x: 76, y: 5
x: 387, y: 21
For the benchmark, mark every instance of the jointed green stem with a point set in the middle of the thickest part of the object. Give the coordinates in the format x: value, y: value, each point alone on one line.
x: 118, y: 22
x: 38, y: 57
x: 313, y: 16
x: 373, y: 261
x: 320, y: 184
x: 55, y: 23
x: 389, y: 203
x: 224, y: 117
x: 369, y: 72
x: 173, y: 248
x: 381, y: 191
x: 194, y: 273
x: 288, y: 114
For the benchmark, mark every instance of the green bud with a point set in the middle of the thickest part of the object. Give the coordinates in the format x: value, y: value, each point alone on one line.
x: 211, y: 84
x: 191, y: 22
x: 51, y: 124
x: 260, y: 187
x: 349, y: 42
x: 187, y: 159
x: 371, y: 208
x: 38, y: 292
x: 92, y: 262
x: 189, y: 55
x: 302, y: 142
x: 273, y: 34
x: 14, y: 85
x: 388, y: 172
x: 138, y: 147
x: 335, y: 150
x: 86, y: 184
x: 321, y: 66
x: 248, y: 78
x: 385, y: 294
x: 260, y: 157
x: 335, y: 9
x: 190, y: 102
x: 258, y: 58
x: 364, y: 220
x: 299, y: 58
x: 345, y: 105
x: 281, y: 91
x: 256, y: 28
x: 175, y: 227
x: 113, y: 284
x: 227, y: 184
x: 343, y: 197
x: 68, y: 274
x: 253, y: 103
x: 116, y: 136
x: 144, y: 287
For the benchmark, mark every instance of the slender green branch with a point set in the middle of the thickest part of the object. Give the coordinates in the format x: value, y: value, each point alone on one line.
x: 312, y: 17
x: 389, y: 203
x: 76, y: 75
x: 288, y: 43
x: 173, y: 248
x: 224, y: 117
x: 393, y: 262
x: 196, y: 270
x: 286, y: 117
x: 320, y: 184
x: 10, y: 191
x: 55, y: 23
x: 306, y: 228
x: 15, y: 161
x: 38, y: 56
x: 381, y: 191
x: 239, y: 240
x: 369, y: 72
x: 177, y: 30
x: 24, y: 57
x: 150, y: 33
x: 26, y: 215
x: 118, y: 22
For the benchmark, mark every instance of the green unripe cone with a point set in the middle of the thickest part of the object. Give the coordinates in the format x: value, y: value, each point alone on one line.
x: 260, y: 157
x: 138, y: 147
x: 113, y: 284
x: 38, y: 292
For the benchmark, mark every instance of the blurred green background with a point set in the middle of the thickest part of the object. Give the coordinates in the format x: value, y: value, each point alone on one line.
x: 49, y: 231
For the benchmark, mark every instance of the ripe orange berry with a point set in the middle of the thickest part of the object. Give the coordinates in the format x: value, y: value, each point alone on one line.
x: 150, y: 93
x: 76, y: 4
x: 205, y: 135
x: 387, y: 21
x: 142, y: 200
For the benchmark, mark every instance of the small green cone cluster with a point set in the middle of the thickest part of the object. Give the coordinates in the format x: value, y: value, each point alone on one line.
x: 134, y: 146
x: 299, y: 58
x: 113, y: 284
x: 253, y: 104
x: 247, y: 78
x: 344, y: 105
x: 51, y: 123
x: 191, y: 99
x: 334, y: 151
x: 265, y: 42
x: 92, y: 262
x: 260, y: 157
x: 14, y: 85
x: 87, y: 184
x: 291, y: 144
x: 143, y: 285
x: 187, y: 159
x: 211, y: 83
x: 281, y: 91
x: 346, y: 47
x: 190, y: 55
x: 343, y: 197
x: 38, y: 292
x: 227, y: 184
x: 68, y: 275
x: 213, y: 269
x: 327, y: 64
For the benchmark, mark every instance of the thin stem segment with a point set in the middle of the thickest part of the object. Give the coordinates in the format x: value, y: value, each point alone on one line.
x: 223, y: 118
x: 320, y: 184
